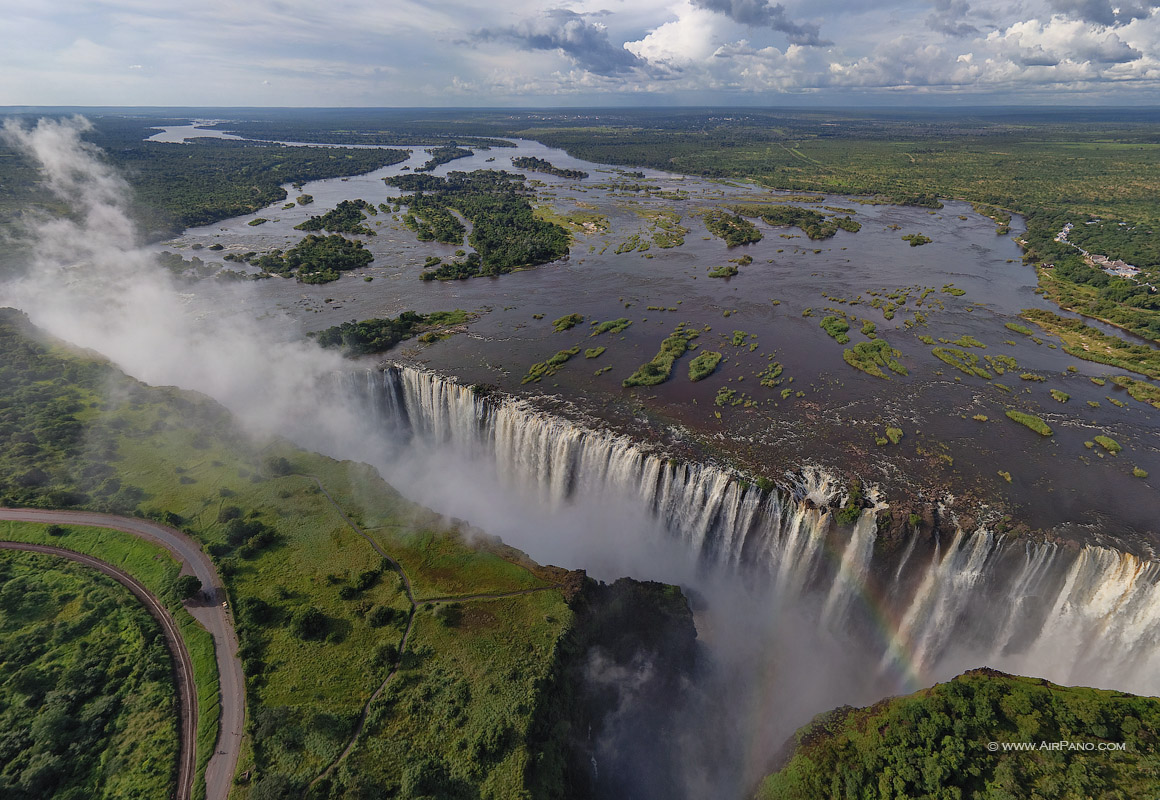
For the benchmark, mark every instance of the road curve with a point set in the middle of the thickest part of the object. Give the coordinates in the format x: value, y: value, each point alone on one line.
x: 183, y: 666
x: 219, y: 773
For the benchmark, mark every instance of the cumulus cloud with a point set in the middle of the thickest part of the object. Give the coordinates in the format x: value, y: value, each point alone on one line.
x: 691, y: 38
x: 762, y: 13
x: 585, y: 42
x: 1104, y: 12
x: 1059, y: 40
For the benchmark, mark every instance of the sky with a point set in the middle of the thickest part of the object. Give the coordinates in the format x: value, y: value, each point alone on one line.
x: 377, y: 53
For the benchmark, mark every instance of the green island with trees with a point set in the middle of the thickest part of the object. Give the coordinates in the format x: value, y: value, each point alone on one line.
x: 505, y: 231
x: 346, y: 217
x: 315, y: 259
x: 870, y: 357
x: 733, y: 228
x: 950, y: 741
x: 443, y: 155
x: 814, y: 224
x: 533, y: 164
x: 474, y: 655
x: 379, y: 335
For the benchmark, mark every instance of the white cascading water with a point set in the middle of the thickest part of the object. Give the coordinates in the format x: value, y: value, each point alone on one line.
x: 1074, y: 615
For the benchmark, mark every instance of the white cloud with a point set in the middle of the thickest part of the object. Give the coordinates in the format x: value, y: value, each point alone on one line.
x: 406, y: 52
x: 693, y: 36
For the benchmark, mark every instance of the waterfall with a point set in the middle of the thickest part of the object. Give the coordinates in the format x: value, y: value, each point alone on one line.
x: 1073, y: 614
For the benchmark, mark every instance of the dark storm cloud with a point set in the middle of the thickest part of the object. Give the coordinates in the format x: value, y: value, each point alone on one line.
x: 586, y: 43
x: 1105, y: 12
x: 761, y: 13
x: 949, y: 17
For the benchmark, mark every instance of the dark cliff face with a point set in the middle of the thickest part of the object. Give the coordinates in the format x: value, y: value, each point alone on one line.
x: 623, y: 673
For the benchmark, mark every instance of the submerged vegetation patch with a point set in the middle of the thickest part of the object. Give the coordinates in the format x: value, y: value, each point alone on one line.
x: 551, y: 366
x: 961, y: 360
x: 837, y: 328
x: 1031, y: 421
x: 870, y: 357
x: 661, y: 367
x: 703, y: 365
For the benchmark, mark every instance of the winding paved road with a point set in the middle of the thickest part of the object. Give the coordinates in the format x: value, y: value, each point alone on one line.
x: 211, y: 613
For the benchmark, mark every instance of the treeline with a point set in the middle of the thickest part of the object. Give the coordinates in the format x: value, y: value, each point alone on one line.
x: 534, y: 164
x: 505, y: 232
x: 814, y: 224
x: 315, y: 259
x: 379, y: 335
x: 346, y: 217
x: 947, y: 741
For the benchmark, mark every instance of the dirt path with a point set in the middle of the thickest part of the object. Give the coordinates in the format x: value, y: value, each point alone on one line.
x: 182, y: 664
x: 211, y: 613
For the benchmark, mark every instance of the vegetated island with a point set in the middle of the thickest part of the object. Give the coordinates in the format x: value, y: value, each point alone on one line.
x: 346, y: 217
x: 443, y: 155
x: 957, y: 739
x: 505, y: 231
x: 379, y: 335
x: 533, y: 164
x: 814, y: 224
x: 341, y: 590
x: 733, y: 228
x: 315, y: 259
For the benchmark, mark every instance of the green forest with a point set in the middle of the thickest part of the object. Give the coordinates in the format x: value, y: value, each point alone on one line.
x: 946, y: 742
x: 87, y: 702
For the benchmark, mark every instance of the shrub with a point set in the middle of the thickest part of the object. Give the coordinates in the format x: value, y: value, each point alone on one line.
x: 188, y: 587
x: 1031, y: 421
